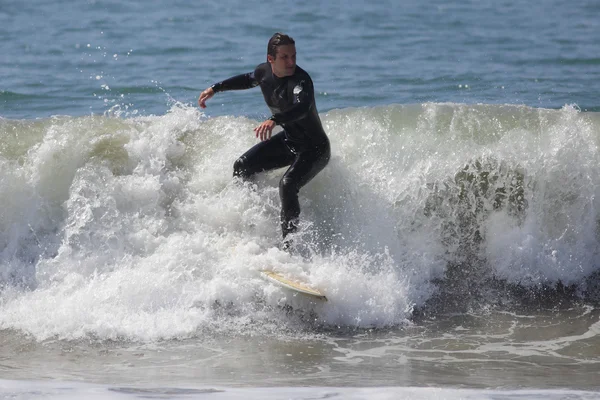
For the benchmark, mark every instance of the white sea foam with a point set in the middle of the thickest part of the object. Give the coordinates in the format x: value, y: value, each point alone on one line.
x: 133, y: 227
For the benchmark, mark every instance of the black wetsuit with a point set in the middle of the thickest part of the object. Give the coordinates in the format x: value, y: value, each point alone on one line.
x: 303, y: 144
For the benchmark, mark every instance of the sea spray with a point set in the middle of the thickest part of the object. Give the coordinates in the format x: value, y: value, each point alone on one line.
x: 133, y: 227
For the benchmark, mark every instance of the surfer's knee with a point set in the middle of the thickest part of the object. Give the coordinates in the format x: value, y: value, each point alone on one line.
x: 287, y: 187
x: 240, y: 169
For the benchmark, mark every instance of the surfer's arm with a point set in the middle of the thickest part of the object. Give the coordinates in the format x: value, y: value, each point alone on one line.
x: 238, y: 82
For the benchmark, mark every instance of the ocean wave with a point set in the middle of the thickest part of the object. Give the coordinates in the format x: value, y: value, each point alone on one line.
x: 133, y: 227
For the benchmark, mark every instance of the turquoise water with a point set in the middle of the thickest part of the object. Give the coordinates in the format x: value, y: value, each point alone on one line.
x: 455, y: 232
x: 86, y: 57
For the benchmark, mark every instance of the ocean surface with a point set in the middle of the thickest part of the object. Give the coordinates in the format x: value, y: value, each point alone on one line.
x: 455, y: 231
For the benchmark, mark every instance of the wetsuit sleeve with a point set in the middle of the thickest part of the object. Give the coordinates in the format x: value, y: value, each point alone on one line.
x: 303, y: 93
x: 238, y: 82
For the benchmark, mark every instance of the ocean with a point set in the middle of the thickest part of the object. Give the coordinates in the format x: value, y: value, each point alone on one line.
x: 455, y: 231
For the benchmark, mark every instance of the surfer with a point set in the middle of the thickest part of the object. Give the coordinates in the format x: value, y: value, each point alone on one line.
x: 302, y: 144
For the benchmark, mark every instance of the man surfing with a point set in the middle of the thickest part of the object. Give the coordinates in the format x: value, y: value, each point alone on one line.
x: 302, y: 144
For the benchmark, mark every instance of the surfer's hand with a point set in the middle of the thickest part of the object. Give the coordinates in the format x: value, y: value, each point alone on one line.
x: 264, y: 130
x: 207, y: 94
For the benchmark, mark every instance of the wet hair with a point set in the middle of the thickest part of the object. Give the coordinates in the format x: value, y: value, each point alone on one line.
x: 278, y: 39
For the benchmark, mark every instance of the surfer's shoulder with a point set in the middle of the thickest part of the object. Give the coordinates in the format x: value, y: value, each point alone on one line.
x: 261, y: 71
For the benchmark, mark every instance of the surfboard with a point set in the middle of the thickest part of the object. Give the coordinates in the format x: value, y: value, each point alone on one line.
x: 291, y: 284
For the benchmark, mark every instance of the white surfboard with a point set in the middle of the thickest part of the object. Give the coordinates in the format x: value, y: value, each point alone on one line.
x: 291, y: 284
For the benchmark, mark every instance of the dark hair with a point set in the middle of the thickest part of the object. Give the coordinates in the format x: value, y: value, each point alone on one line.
x: 278, y: 39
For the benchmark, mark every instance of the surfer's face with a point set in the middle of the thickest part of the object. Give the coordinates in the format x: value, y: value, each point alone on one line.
x: 284, y: 63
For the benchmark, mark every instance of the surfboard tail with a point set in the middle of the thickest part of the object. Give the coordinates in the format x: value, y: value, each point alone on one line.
x: 292, y: 284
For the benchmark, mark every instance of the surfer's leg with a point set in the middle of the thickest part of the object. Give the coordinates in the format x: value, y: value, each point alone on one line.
x: 264, y: 156
x: 305, y: 167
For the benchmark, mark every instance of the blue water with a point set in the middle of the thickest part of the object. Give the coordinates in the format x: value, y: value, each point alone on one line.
x: 455, y: 230
x: 79, y: 58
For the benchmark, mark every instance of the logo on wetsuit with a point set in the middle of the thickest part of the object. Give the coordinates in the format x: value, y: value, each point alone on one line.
x: 298, y: 89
